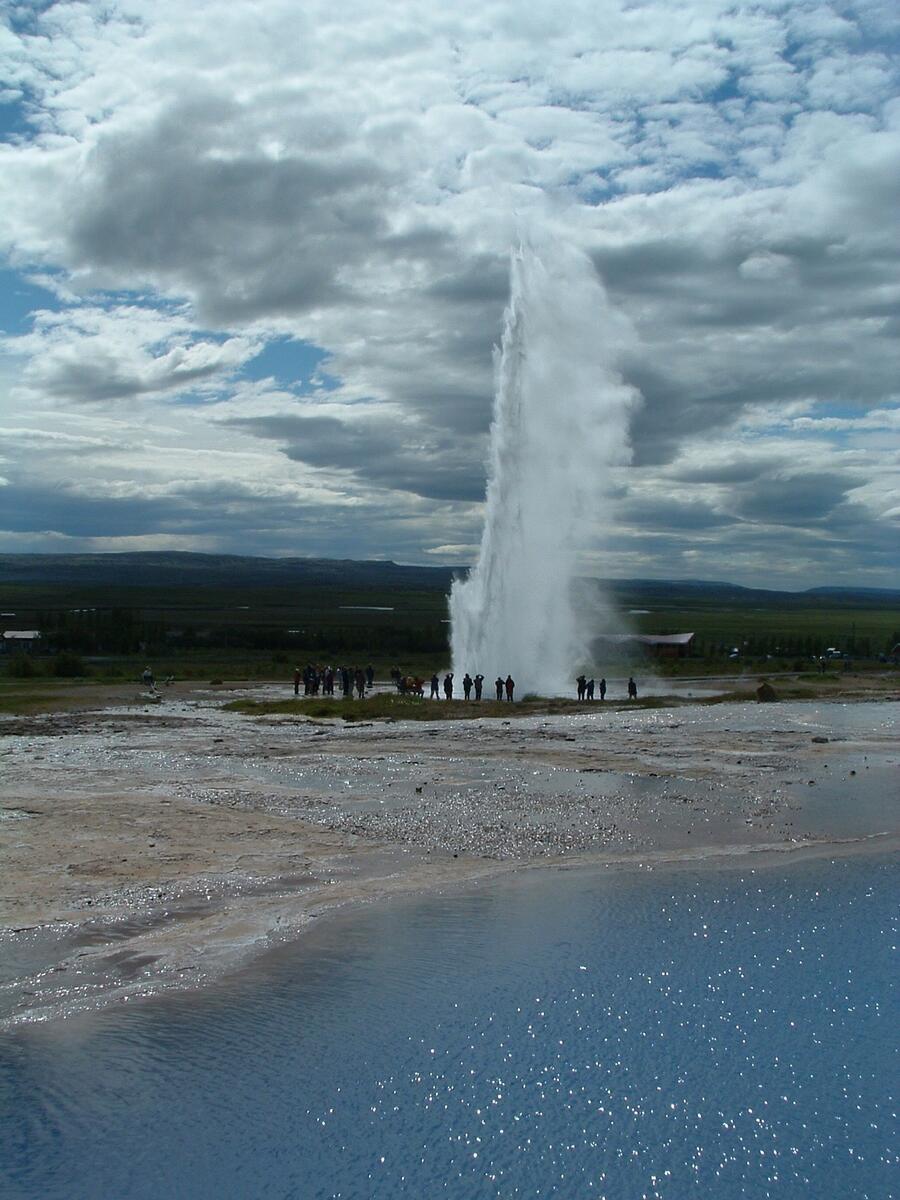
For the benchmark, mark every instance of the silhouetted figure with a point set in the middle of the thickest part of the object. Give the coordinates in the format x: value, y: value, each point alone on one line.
x: 370, y: 676
x: 467, y: 685
x: 435, y: 688
x: 602, y: 689
x: 147, y: 678
x: 479, y: 682
x: 632, y: 689
x: 589, y: 690
x: 582, y: 684
x: 498, y: 684
x: 448, y: 686
x: 297, y: 677
x: 360, y: 680
x: 510, y: 687
x: 346, y: 687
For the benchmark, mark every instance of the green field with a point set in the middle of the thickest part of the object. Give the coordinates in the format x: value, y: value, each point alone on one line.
x: 792, y: 629
x: 252, y: 632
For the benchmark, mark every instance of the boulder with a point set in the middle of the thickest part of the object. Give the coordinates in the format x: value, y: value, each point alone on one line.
x: 765, y: 693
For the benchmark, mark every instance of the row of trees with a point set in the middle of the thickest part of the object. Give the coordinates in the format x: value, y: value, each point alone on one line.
x: 126, y: 631
x: 123, y: 631
x: 789, y: 645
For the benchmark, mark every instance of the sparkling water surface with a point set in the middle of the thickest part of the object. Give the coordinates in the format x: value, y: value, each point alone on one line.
x: 716, y: 1033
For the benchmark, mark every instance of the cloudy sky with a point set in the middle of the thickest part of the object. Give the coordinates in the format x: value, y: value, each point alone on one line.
x: 255, y: 256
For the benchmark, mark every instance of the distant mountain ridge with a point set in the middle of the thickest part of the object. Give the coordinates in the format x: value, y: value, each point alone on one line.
x: 176, y: 568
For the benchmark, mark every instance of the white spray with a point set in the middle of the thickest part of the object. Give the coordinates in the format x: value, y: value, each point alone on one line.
x: 560, y: 424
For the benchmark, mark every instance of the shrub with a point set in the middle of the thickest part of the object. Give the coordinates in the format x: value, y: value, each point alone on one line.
x: 21, y: 667
x: 68, y: 666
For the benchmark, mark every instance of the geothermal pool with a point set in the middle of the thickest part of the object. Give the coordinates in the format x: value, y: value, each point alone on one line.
x: 562, y: 1032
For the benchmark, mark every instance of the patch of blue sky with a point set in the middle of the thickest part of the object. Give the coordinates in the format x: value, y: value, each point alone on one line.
x: 834, y: 409
x: 19, y: 298
x: 597, y: 194
x: 292, y: 364
x: 725, y: 91
x: 14, y: 124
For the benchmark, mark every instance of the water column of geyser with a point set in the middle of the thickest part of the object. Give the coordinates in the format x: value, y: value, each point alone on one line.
x: 560, y: 424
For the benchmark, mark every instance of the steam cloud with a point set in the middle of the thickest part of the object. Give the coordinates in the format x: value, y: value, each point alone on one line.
x: 561, y: 414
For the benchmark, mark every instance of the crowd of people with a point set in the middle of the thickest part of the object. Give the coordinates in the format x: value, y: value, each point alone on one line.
x: 588, y: 689
x: 473, y: 686
x: 318, y: 680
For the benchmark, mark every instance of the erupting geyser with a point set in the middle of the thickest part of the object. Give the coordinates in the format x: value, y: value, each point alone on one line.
x: 560, y: 423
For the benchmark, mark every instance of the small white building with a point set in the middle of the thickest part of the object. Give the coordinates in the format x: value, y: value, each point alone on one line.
x: 20, y: 641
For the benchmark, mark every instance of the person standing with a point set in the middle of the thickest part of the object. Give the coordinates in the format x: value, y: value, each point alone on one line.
x: 467, y: 685
x: 589, y: 690
x: 602, y: 689
x: 498, y: 684
x: 632, y: 689
x: 297, y: 678
x: 448, y: 686
x: 479, y: 682
x: 370, y: 676
x: 435, y: 688
x: 582, y: 683
x: 360, y: 680
x: 510, y: 687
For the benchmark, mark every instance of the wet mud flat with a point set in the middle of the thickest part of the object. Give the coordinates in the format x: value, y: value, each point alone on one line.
x: 154, y: 849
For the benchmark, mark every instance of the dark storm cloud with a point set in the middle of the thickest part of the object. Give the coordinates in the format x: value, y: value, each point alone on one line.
x: 742, y: 469
x: 672, y: 515
x: 725, y: 323
x: 483, y: 281
x: 854, y: 535
x: 383, y: 452
x: 243, y: 519
x: 102, y: 376
x: 34, y: 509
x: 190, y: 201
x: 797, y: 499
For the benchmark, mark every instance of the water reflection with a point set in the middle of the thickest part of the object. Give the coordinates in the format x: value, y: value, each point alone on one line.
x: 562, y: 1033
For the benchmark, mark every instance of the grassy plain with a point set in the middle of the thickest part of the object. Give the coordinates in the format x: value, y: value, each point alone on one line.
x: 49, y: 695
x: 206, y: 633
